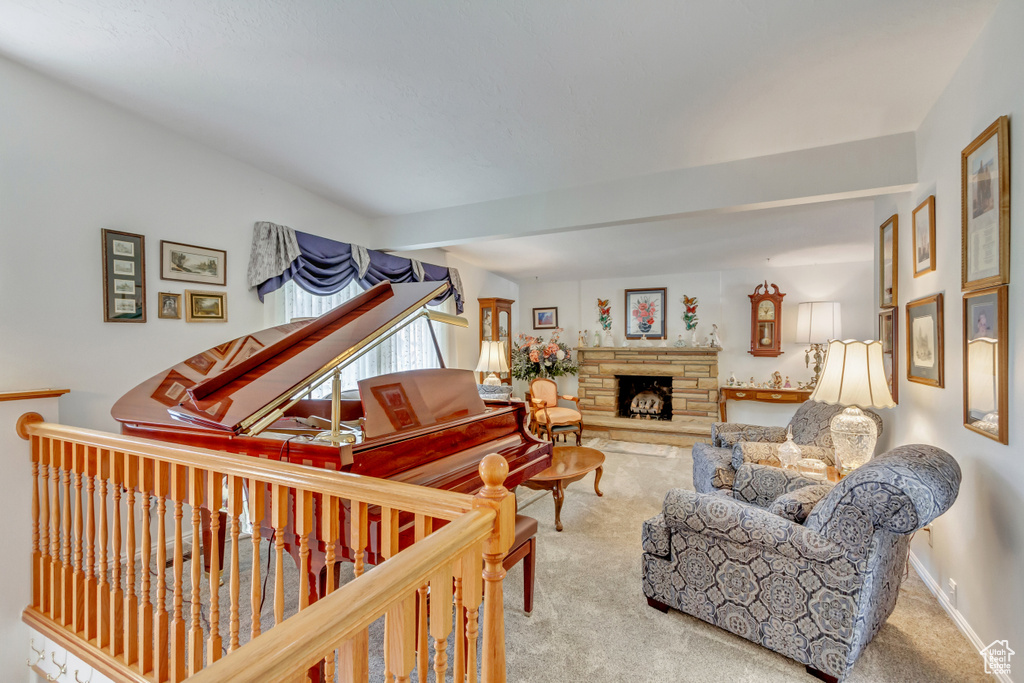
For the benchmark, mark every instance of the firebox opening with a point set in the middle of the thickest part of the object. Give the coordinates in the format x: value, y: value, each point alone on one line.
x: 644, y: 397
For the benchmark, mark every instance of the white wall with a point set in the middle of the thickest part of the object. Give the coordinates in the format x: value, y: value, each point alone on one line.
x: 71, y: 165
x: 723, y: 300
x: 979, y: 543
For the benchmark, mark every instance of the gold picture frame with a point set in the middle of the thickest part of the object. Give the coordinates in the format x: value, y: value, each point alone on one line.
x: 923, y: 237
x: 888, y: 334
x: 986, y: 362
x: 168, y: 305
x: 191, y: 263
x: 985, y: 209
x: 925, y: 341
x: 888, y: 266
x: 206, y: 307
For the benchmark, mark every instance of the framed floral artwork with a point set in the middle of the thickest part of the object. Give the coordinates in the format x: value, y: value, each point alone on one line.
x: 645, y: 313
x: 986, y: 387
x: 923, y: 229
x: 985, y: 209
x: 888, y: 254
x: 925, y: 341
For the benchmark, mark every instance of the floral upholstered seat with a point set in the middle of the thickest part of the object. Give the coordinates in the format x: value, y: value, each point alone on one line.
x: 733, y: 443
x: 816, y: 592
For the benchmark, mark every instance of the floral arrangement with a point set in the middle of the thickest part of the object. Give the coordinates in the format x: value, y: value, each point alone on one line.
x: 690, y: 316
x: 604, y: 311
x: 644, y: 310
x: 532, y: 357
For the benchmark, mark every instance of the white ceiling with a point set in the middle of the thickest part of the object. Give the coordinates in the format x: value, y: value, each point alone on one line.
x: 398, y: 106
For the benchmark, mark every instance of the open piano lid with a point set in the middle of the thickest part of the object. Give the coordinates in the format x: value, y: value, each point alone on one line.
x: 241, y: 385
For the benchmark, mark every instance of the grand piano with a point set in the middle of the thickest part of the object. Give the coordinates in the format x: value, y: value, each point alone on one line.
x: 253, y: 396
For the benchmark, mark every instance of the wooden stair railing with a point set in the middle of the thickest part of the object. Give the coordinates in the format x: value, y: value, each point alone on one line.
x: 92, y: 507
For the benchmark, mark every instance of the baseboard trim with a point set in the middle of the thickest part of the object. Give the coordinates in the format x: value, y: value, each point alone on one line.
x: 953, y: 612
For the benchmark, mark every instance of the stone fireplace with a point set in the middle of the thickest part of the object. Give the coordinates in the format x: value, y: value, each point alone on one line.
x: 620, y: 387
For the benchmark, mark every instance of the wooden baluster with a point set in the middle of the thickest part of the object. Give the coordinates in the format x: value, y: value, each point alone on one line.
x: 116, y: 592
x: 67, y: 609
x: 89, y: 594
x: 180, y: 492
x: 55, y: 592
x: 77, y: 576
x: 359, y: 531
x: 400, y: 636
x: 388, y: 548
x: 303, y: 525
x: 330, y: 527
x: 422, y: 526
x: 493, y: 470
x: 39, y: 522
x: 131, y: 600
x: 161, y: 487
x: 440, y: 620
x: 195, y: 634
x: 214, y: 501
x: 234, y: 515
x: 354, y: 658
x: 144, y: 634
x: 472, y: 596
x: 256, y: 502
x: 279, y: 519
x: 103, y: 598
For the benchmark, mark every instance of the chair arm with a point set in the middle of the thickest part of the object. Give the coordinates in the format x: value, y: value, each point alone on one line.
x: 760, y: 485
x: 768, y: 453
x: 574, y: 399
x: 743, y: 524
x: 725, y: 434
x: 712, y: 468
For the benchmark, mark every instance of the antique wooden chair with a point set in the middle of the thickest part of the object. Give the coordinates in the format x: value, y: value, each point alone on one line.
x: 547, y: 417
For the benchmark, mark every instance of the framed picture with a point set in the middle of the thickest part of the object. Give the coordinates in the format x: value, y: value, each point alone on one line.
x: 124, y: 277
x: 206, y: 307
x: 189, y: 263
x: 645, y: 313
x: 925, y: 342
x: 985, y: 208
x: 545, y: 318
x: 986, y: 392
x: 888, y: 334
x: 923, y: 228
x: 888, y: 254
x: 168, y: 305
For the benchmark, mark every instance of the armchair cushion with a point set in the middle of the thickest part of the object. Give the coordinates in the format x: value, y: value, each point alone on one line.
x: 759, y: 452
x: 558, y: 415
x: 797, y: 505
x: 760, y: 485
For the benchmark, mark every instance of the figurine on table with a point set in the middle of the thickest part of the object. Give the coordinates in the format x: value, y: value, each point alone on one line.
x: 713, y: 340
x: 679, y: 343
x: 776, y: 380
x: 582, y: 341
x: 787, y: 385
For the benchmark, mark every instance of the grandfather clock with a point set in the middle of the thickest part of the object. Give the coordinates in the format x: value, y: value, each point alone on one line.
x: 766, y: 321
x: 496, y: 325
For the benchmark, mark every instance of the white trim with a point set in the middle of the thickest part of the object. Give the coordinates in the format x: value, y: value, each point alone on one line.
x: 953, y: 612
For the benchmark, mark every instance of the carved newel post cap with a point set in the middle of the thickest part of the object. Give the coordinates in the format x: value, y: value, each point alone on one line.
x: 493, y: 470
x: 34, y: 418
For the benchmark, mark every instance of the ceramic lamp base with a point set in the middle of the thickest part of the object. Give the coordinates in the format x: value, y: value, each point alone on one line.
x: 854, y: 435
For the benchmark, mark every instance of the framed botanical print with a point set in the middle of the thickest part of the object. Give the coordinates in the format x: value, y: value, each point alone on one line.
x: 645, y: 313
x: 925, y: 341
x: 206, y: 307
x: 985, y: 208
x: 888, y: 267
x: 986, y: 389
x: 923, y: 228
x: 189, y: 263
x: 888, y: 334
x: 124, y: 277
x: 545, y: 318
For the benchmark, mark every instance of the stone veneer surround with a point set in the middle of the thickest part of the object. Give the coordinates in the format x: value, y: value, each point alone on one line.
x: 694, y: 373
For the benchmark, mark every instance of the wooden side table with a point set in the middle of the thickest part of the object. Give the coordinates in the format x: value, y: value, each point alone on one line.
x: 568, y: 464
x: 762, y: 395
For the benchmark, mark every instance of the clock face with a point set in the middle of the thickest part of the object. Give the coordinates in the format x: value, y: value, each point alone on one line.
x: 766, y: 310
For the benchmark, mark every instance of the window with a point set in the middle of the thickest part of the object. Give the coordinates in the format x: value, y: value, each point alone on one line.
x: 410, y: 349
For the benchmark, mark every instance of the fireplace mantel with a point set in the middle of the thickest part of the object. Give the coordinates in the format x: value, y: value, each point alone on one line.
x: 694, y: 373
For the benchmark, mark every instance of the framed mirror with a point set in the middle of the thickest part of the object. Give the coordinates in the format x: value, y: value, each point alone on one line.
x: 985, y: 363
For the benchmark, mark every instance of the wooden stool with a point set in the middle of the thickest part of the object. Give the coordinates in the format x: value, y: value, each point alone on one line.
x: 525, y: 545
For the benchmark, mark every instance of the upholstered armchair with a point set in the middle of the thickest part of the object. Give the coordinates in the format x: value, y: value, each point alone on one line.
x: 547, y: 417
x: 815, y: 592
x: 732, y: 444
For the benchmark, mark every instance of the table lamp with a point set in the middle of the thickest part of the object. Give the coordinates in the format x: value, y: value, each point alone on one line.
x: 854, y: 375
x: 817, y: 323
x: 492, y: 360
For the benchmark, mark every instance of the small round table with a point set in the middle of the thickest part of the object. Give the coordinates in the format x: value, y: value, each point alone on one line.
x: 568, y: 464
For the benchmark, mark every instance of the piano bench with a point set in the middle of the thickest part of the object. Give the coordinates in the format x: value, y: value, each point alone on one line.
x: 524, y: 546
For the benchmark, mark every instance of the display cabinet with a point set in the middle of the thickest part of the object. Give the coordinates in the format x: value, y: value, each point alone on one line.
x: 766, y: 320
x: 496, y: 325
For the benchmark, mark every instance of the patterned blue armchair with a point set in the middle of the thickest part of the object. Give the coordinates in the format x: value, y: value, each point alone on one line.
x: 733, y: 443
x: 816, y: 592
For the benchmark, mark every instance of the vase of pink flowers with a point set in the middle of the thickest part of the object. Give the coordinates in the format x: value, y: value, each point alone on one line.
x: 532, y: 357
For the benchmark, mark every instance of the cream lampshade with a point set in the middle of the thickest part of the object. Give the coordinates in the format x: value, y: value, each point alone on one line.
x: 492, y: 360
x: 817, y: 323
x: 854, y: 376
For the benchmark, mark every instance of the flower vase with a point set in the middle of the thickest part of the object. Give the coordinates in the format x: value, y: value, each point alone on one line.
x: 693, y: 337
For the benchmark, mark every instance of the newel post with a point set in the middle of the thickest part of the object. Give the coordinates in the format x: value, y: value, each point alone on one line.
x: 494, y: 495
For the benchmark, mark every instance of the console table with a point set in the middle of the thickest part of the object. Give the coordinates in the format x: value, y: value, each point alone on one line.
x: 762, y: 395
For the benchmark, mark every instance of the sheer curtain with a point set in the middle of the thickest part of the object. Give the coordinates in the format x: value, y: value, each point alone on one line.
x: 411, y: 349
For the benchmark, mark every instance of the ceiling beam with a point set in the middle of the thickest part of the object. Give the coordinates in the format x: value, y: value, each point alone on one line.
x: 863, y: 168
